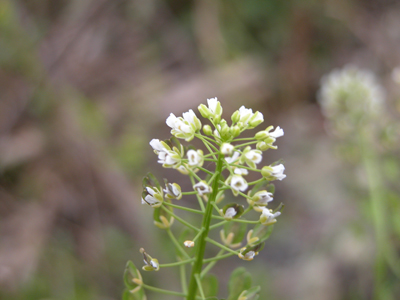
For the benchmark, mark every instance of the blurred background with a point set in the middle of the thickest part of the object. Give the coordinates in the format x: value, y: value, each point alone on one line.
x: 86, y: 84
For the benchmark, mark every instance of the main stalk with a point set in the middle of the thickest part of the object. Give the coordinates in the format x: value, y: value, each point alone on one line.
x: 198, y: 264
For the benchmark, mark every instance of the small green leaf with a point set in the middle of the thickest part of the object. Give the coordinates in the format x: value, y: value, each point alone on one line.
x: 130, y: 273
x: 210, y: 285
x: 239, y: 281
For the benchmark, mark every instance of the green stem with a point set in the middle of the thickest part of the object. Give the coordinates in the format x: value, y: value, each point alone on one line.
x: 201, y: 247
x: 221, y: 246
x: 246, y: 144
x: 178, y: 263
x: 378, y: 215
x: 236, y: 220
x: 243, y: 139
x: 182, y: 273
x: 198, y: 280
x: 180, y: 219
x: 196, y: 211
x: 189, y: 193
x: 162, y: 291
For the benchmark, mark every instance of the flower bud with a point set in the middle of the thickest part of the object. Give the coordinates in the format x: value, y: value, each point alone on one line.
x: 189, y: 244
x: 204, y: 111
x: 217, y: 120
x: 256, y: 119
x: 207, y: 130
x: 235, y: 131
x: 224, y: 131
x: 235, y: 117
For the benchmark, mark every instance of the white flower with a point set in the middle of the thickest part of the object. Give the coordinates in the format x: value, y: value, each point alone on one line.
x: 202, y: 188
x: 245, y: 114
x: 195, y: 158
x: 247, y: 117
x: 277, y: 172
x: 214, y: 109
x: 186, y: 127
x: 192, y: 119
x: 157, y: 145
x: 227, y: 149
x: 278, y: 132
x: 273, y: 172
x: 153, y: 197
x: 166, y: 157
x: 230, y: 213
x: 262, y: 197
x: 267, y: 217
x: 238, y: 183
x: 189, y: 244
x: 254, y: 155
x: 233, y: 158
x: 267, y: 139
x: 173, y: 191
x: 178, y: 124
x: 212, y: 105
x: 241, y: 171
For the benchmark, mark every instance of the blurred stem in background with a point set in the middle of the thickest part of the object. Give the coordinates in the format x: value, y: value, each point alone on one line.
x: 386, y: 260
x: 354, y: 103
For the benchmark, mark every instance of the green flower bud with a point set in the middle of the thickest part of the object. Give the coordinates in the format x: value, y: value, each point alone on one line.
x: 235, y: 131
x: 204, y: 111
x: 256, y: 119
x: 224, y: 131
x: 207, y: 130
x: 235, y: 117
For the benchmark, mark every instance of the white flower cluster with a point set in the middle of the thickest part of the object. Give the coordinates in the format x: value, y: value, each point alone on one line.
x: 349, y: 96
x: 238, y: 159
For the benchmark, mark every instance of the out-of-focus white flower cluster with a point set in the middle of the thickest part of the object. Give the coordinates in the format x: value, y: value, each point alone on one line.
x: 350, y: 98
